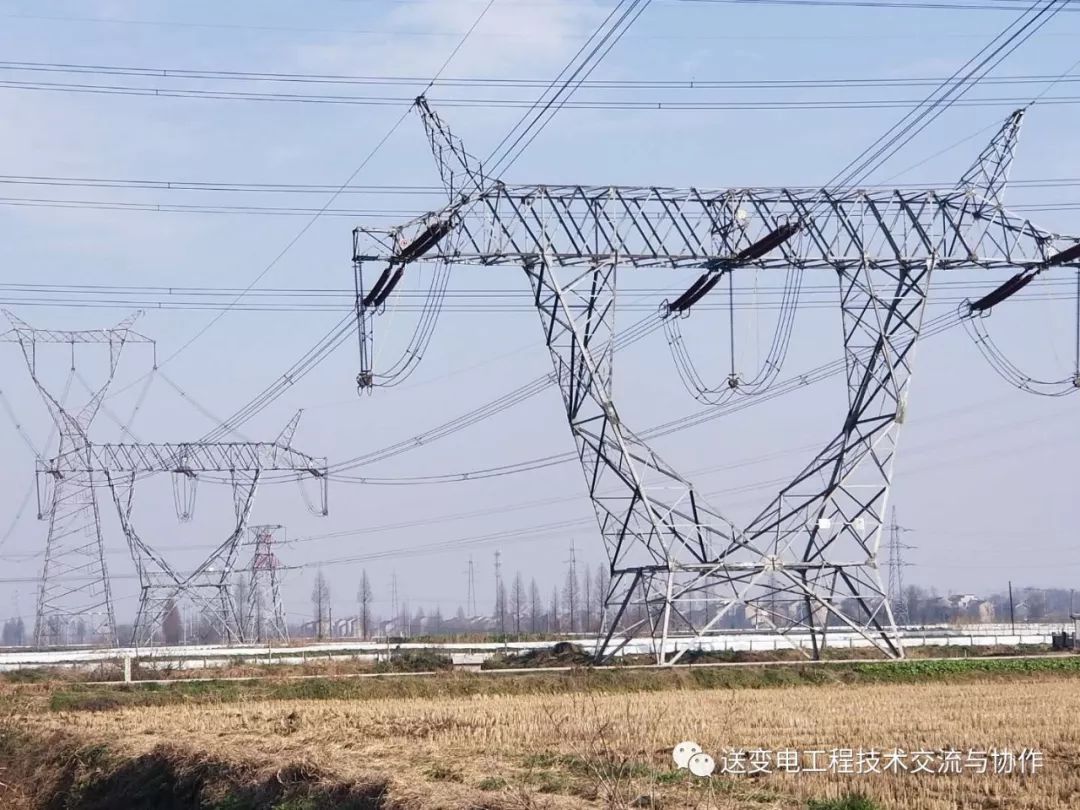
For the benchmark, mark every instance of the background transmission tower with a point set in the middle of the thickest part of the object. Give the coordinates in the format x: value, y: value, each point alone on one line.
x: 74, y: 601
x: 265, y: 611
x: 470, y: 597
x: 896, y: 571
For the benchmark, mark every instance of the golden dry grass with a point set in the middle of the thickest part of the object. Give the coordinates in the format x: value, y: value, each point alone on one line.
x: 610, y: 750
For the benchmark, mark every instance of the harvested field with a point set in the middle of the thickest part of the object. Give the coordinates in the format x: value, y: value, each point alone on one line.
x: 593, y: 749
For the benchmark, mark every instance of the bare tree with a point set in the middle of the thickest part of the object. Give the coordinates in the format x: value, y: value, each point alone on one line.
x: 364, y: 597
x: 500, y: 606
x: 534, y: 607
x: 320, y: 600
x: 553, y: 613
x: 436, y: 621
x: 517, y: 601
x: 570, y: 597
x: 586, y: 600
x: 240, y: 605
x: 603, y: 582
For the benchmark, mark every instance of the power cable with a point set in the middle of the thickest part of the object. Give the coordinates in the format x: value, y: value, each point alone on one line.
x: 950, y: 91
x: 645, y: 105
x: 432, y: 191
x: 333, y: 197
x: 696, y: 84
x: 976, y: 313
x: 256, y: 210
x: 341, y: 331
x: 947, y: 94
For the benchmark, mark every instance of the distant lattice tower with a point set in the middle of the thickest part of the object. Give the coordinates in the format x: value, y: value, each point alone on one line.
x: 74, y: 600
x: 265, y: 614
x: 896, y: 571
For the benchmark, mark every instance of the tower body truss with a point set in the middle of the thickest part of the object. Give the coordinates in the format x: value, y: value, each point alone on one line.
x: 74, y: 599
x: 264, y: 616
x: 122, y: 466
x: 807, y: 564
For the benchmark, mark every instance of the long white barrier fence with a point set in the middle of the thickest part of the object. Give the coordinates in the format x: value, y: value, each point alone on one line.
x: 473, y: 654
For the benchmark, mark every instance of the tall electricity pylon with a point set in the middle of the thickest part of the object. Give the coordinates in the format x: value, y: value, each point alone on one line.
x: 239, y: 465
x: 73, y: 592
x: 265, y: 614
x: 808, y: 563
x: 896, y: 571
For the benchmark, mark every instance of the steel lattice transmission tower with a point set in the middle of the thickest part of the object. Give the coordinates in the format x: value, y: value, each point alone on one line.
x: 265, y: 613
x: 896, y: 571
x: 241, y: 466
x: 74, y: 585
x: 809, y: 562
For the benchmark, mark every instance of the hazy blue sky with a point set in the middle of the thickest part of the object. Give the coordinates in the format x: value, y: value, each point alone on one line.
x: 987, y: 476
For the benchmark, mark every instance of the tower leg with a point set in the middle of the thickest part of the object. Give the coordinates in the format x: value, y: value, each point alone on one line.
x: 824, y: 528
x: 207, y: 587
x: 660, y: 540
x: 74, y: 602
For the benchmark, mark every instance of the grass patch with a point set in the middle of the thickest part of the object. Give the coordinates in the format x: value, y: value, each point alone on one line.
x: 416, y: 661
x: 563, y: 654
x: 31, y: 675
x: 853, y: 802
x: 549, y: 782
x: 606, y: 767
x: 444, y: 773
x: 491, y: 783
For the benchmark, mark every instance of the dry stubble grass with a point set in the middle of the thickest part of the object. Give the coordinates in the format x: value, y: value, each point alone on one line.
x: 559, y: 750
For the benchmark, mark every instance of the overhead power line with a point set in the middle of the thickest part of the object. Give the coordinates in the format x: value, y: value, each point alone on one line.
x: 857, y: 5
x: 391, y: 80
x: 659, y: 105
x: 930, y: 5
x: 304, y: 211
x: 492, y: 301
x: 605, y: 37
x: 154, y: 184
x: 340, y: 331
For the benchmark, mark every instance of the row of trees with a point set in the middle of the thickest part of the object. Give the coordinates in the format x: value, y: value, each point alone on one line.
x: 14, y: 633
x: 519, y: 608
x: 926, y: 606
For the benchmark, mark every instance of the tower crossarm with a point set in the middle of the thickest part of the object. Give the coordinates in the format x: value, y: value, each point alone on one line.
x: 187, y: 459
x: 90, y: 336
x: 671, y: 228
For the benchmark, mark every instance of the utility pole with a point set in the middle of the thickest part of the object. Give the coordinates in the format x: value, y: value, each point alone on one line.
x: 572, y: 586
x: 896, y: 571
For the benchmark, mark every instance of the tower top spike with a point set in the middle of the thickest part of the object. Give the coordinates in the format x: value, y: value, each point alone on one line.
x: 989, y: 174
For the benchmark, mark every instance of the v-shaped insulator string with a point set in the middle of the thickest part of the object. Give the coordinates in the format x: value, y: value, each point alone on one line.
x: 975, y: 316
x: 735, y: 385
